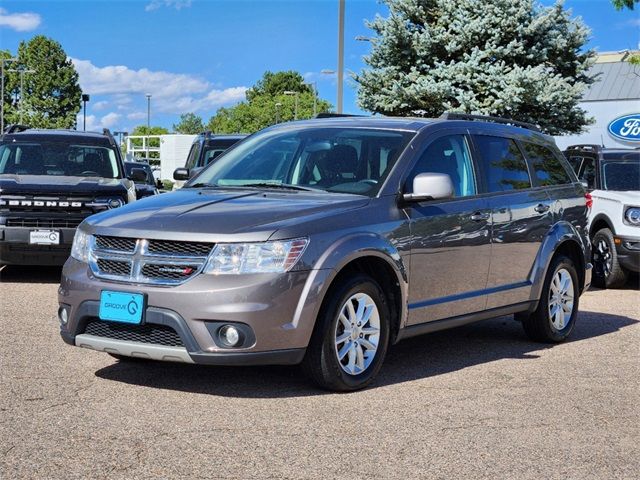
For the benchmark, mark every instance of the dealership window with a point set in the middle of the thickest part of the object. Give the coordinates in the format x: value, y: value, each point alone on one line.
x: 502, y: 165
x: 546, y: 166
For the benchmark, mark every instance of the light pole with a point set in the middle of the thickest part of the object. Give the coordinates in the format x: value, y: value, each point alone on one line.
x: 2, y: 62
x: 295, y: 94
x: 278, y: 105
x: 315, y: 96
x: 148, y: 95
x: 85, y: 99
x: 23, y: 71
x: 340, y: 54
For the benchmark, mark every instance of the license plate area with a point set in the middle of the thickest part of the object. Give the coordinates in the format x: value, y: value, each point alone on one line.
x: 123, y: 307
x: 44, y: 237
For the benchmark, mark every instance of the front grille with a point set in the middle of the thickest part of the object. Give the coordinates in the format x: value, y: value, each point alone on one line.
x: 114, y: 267
x: 116, y: 243
x: 173, y: 272
x: 161, y: 262
x: 187, y: 249
x: 44, y: 222
x: 146, y: 333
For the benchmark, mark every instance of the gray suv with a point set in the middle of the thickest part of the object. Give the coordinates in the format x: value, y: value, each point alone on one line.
x: 323, y: 242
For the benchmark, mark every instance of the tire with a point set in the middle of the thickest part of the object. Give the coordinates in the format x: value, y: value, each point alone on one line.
x: 607, y: 272
x: 337, y: 321
x: 548, y: 322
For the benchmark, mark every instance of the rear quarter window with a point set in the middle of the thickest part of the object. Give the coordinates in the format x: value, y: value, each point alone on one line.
x: 547, y: 168
x: 501, y: 163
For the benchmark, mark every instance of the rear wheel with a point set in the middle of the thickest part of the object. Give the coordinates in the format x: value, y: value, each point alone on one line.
x: 607, y: 272
x: 557, y: 310
x: 350, y: 339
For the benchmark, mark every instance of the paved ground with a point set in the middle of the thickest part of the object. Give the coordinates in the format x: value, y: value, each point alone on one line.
x: 476, y: 402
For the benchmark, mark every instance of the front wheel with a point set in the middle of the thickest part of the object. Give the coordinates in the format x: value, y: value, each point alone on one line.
x: 351, y: 335
x: 607, y: 271
x: 557, y: 310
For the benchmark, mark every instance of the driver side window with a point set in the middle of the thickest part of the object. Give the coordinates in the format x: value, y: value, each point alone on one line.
x: 449, y: 155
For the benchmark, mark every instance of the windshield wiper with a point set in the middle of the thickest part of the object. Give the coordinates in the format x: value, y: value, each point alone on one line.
x: 282, y: 186
x: 201, y: 185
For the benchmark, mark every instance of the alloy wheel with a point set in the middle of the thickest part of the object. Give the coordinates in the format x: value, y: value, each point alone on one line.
x: 561, y: 295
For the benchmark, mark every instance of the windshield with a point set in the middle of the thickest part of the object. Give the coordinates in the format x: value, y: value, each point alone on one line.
x: 621, y: 176
x: 331, y: 159
x: 58, y: 159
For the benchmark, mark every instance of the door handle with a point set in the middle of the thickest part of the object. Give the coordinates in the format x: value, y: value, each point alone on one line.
x: 478, y: 216
x: 541, y: 208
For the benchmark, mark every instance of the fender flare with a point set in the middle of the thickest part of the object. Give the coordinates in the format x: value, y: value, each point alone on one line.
x: 597, y: 218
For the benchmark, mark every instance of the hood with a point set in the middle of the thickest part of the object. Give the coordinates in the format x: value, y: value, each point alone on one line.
x: 629, y: 197
x: 60, y: 185
x: 219, y: 215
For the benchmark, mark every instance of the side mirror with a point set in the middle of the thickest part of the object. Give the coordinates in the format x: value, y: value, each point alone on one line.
x: 138, y: 175
x: 430, y: 186
x: 181, y: 174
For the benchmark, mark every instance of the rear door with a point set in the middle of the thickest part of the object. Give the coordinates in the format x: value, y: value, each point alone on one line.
x: 450, y: 239
x: 521, y: 216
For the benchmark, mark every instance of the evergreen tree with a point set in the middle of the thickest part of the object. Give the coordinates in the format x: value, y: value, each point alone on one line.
x: 51, y: 96
x: 509, y: 58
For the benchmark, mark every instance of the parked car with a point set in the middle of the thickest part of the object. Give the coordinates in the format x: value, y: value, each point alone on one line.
x: 205, y: 148
x: 612, y: 175
x: 325, y: 241
x: 145, y: 188
x: 50, y: 181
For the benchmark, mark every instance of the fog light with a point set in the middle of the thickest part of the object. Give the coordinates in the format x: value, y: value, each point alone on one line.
x: 229, y: 335
x: 63, y: 315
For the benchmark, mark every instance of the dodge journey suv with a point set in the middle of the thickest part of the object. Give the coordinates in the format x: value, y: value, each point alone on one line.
x: 323, y: 242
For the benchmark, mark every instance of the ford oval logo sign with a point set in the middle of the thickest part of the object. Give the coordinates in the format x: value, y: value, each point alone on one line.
x: 626, y: 128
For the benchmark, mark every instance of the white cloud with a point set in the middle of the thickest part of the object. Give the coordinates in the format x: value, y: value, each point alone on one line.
x: 170, y: 92
x: 177, y: 4
x: 110, y: 119
x: 137, y: 115
x: 21, y: 22
x: 101, y: 105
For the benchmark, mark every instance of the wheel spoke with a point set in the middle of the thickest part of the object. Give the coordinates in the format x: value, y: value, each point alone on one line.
x: 345, y: 321
x: 344, y: 337
x: 370, y: 331
x: 351, y: 362
x: 359, y: 357
x: 351, y: 312
x: 360, y: 312
x: 568, y: 307
x: 367, y: 344
x: 346, y: 348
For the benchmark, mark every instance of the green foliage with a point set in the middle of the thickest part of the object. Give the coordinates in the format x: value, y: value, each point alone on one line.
x: 190, y: 124
x: 51, y: 92
x: 266, y: 104
x: 510, y: 58
x: 620, y: 4
x: 634, y: 59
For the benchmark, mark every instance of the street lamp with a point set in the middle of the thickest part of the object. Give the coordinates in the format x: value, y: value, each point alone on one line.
x: 315, y: 96
x: 278, y: 105
x: 2, y: 62
x: 295, y: 94
x: 148, y: 95
x: 85, y: 99
x: 22, y: 71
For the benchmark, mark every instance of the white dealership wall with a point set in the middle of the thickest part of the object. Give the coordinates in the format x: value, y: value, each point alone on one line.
x: 616, y: 93
x: 174, y: 150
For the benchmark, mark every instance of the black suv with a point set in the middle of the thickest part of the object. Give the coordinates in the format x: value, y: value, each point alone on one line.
x: 205, y: 148
x: 325, y: 241
x: 147, y: 187
x: 50, y: 181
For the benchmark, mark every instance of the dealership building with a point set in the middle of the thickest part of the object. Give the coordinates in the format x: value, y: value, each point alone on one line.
x: 615, y: 94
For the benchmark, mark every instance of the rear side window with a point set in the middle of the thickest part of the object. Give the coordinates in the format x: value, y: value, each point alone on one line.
x: 501, y: 163
x: 194, y: 154
x: 546, y: 166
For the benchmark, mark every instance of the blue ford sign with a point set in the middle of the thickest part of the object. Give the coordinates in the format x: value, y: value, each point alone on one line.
x: 626, y: 128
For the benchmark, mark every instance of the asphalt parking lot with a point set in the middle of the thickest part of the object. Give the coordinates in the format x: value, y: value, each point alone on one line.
x: 476, y: 402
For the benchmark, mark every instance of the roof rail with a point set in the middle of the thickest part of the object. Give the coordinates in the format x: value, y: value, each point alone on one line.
x: 335, y: 115
x: 585, y: 146
x: 486, y: 118
x: 15, y: 128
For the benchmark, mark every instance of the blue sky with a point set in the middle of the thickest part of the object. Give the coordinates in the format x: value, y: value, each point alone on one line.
x: 198, y: 55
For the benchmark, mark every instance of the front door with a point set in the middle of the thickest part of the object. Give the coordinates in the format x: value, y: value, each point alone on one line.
x: 450, y: 249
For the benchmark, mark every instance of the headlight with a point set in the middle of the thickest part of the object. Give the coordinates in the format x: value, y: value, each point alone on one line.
x: 108, y: 202
x: 80, y: 247
x: 265, y: 257
x: 632, y: 216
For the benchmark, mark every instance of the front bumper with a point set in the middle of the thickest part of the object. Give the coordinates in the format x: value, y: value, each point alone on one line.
x: 279, y: 311
x: 628, y: 250
x: 15, y: 248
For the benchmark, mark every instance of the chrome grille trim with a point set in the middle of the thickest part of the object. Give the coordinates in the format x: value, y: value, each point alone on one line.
x: 106, y: 249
